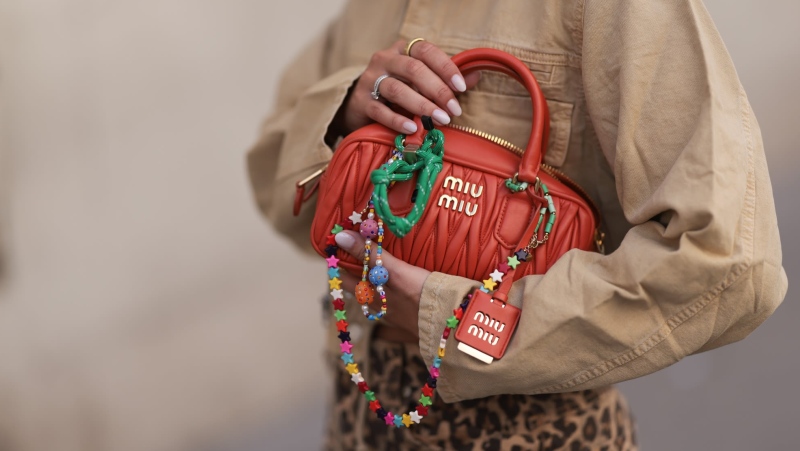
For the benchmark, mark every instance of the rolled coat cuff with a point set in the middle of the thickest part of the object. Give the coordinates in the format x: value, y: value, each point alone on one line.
x: 292, y: 145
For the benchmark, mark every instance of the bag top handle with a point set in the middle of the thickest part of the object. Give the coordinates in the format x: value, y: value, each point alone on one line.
x: 499, y: 61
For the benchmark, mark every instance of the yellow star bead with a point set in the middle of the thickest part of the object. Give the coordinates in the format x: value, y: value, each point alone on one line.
x: 489, y: 284
x: 407, y: 420
x: 352, y: 368
x: 440, y: 353
x: 335, y: 283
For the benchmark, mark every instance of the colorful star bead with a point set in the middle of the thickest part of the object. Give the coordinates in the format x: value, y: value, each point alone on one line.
x: 340, y: 315
x: 355, y: 218
x: 370, y: 395
x: 344, y: 336
x: 347, y: 357
x: 513, y: 262
x: 346, y: 346
x: 338, y: 303
x: 347, y: 224
x: 440, y: 352
x: 337, y: 294
x: 458, y: 313
x: 352, y: 368
x: 484, y: 289
x: 452, y: 322
x: 407, y: 420
x: 497, y: 276
x: 522, y: 255
x: 374, y: 405
x: 330, y: 240
x: 336, y: 229
x: 489, y: 284
x: 333, y: 272
x: 331, y: 250
x: 437, y: 362
x: 341, y: 325
x: 415, y: 417
x: 435, y: 372
x: 398, y: 421
x: 423, y: 410
x: 332, y: 261
x: 389, y: 419
x: 357, y: 378
x: 424, y: 400
x: 335, y: 283
x: 503, y: 267
x: 362, y: 386
x: 431, y: 382
x: 427, y: 391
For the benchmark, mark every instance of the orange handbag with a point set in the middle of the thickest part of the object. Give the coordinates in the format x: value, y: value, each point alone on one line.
x: 473, y: 221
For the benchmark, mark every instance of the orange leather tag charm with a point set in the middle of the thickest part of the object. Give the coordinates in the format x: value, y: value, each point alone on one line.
x: 486, y: 328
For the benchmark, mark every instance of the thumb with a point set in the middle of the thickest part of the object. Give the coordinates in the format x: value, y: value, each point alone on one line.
x: 353, y: 243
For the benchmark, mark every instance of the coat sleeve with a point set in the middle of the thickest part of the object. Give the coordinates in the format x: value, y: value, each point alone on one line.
x: 292, y: 143
x: 701, y: 266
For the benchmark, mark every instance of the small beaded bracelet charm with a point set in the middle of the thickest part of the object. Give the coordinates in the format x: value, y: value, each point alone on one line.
x: 379, y: 275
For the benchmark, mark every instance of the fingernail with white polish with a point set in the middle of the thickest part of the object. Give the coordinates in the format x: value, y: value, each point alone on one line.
x: 410, y: 127
x: 454, y: 107
x: 344, y: 240
x: 459, y: 83
x: 441, y: 117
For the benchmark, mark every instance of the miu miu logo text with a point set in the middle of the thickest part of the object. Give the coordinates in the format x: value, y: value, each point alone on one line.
x: 486, y: 335
x: 455, y: 204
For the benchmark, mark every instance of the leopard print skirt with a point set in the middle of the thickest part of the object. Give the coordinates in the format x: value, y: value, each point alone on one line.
x: 587, y: 420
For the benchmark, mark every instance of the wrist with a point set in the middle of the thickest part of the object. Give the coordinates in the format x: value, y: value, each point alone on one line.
x: 338, y: 126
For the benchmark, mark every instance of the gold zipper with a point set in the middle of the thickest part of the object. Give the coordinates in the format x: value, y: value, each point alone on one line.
x: 553, y: 172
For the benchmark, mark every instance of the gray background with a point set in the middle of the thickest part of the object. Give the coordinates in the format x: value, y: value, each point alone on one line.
x: 145, y: 306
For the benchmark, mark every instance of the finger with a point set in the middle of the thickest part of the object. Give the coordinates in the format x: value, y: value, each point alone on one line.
x: 440, y: 63
x: 379, y: 112
x: 401, y: 94
x: 403, y: 277
x: 426, y: 81
x: 353, y: 243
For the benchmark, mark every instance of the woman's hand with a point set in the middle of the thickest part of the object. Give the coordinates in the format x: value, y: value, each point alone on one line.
x: 402, y: 291
x: 422, y: 84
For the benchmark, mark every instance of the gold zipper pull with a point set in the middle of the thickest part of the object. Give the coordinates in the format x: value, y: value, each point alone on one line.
x: 310, y: 178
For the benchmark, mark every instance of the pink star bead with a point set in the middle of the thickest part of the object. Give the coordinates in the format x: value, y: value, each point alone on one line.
x: 332, y: 261
x: 389, y: 419
x: 434, y: 372
x: 346, y: 346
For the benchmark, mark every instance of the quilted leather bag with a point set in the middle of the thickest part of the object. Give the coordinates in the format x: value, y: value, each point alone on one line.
x: 473, y: 220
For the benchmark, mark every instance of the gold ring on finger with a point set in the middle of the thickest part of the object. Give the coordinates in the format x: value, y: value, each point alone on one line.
x: 411, y: 44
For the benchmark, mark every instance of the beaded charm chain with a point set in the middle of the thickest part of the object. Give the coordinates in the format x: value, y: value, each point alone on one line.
x: 379, y: 275
x: 426, y: 399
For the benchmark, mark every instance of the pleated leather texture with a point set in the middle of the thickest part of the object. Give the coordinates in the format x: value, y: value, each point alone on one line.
x: 447, y: 238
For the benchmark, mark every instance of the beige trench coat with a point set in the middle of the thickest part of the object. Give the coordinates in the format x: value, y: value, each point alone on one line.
x: 647, y: 114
